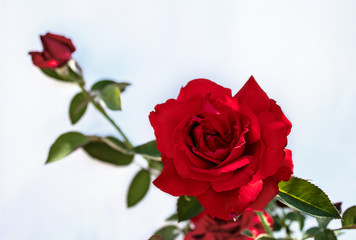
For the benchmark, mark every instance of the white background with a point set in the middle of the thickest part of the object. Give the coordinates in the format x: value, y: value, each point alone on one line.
x: 302, y: 53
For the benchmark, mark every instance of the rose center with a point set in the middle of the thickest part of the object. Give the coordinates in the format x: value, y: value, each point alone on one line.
x: 211, y: 136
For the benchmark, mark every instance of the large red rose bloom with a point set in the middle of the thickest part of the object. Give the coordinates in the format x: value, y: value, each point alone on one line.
x: 228, y: 151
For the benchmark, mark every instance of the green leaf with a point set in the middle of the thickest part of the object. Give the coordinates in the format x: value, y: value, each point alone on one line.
x: 117, y: 145
x: 311, y: 232
x: 111, y: 97
x: 349, y: 218
x: 173, y: 217
x: 101, y: 150
x: 65, y: 144
x: 158, y: 165
x: 247, y: 232
x: 292, y: 216
x: 298, y: 217
x: 100, y: 85
x: 148, y: 150
x: 138, y: 187
x: 156, y: 237
x: 169, y: 232
x: 327, y: 234
x: 264, y: 236
x: 304, y: 196
x: 188, y: 207
x: 77, y: 107
x: 75, y: 72
x: 70, y: 72
x: 323, y: 222
x: 277, y: 223
x: 301, y: 221
x: 271, y: 206
x: 52, y: 73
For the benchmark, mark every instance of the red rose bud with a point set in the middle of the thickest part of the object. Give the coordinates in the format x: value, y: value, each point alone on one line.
x: 208, y: 228
x: 57, y: 51
x: 228, y: 151
x: 338, y: 206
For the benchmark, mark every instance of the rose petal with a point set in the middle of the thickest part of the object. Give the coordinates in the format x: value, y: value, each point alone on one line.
x: 253, y: 96
x: 166, y: 118
x: 269, y: 164
x: 222, y: 204
x: 171, y: 182
x: 238, y: 163
x: 202, y: 87
x: 269, y: 191
x: 183, y: 161
x: 239, y: 179
x: 279, y: 115
x: 215, y: 157
x: 236, y: 152
x: 41, y: 62
x: 57, y: 50
x: 62, y: 39
x: 273, y: 133
x: 253, y: 125
x: 285, y: 172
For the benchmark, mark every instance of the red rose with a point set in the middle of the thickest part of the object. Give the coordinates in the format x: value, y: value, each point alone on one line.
x: 208, y: 228
x: 57, y: 51
x: 228, y: 151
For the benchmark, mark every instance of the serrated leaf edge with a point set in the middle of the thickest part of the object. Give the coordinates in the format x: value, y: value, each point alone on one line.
x: 312, y: 204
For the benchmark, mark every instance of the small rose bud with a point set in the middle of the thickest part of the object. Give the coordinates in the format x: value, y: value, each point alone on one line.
x: 57, y: 51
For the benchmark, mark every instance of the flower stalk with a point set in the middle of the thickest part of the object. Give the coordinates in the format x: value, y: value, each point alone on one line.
x: 103, y: 112
x: 264, y: 223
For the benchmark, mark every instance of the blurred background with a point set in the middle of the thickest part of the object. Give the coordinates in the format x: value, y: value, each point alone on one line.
x: 302, y: 53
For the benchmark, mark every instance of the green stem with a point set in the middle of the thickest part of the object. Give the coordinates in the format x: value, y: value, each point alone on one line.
x: 264, y: 223
x: 100, y: 109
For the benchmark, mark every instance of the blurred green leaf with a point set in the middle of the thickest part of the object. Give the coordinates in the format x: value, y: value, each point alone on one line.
x: 298, y: 217
x: 264, y: 236
x: 101, y: 150
x: 100, y: 85
x: 78, y: 107
x: 292, y: 216
x: 158, y: 165
x: 75, y: 72
x: 271, y: 206
x: 327, y: 234
x: 138, y: 187
x: 52, y: 73
x: 304, y: 196
x: 117, y: 145
x: 301, y: 221
x: 277, y: 223
x: 188, y: 207
x: 148, y: 150
x: 156, y: 237
x: 111, y: 97
x: 349, y: 218
x: 65, y: 144
x: 323, y: 222
x: 247, y: 232
x: 169, y: 232
x: 311, y: 232
x: 173, y: 217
